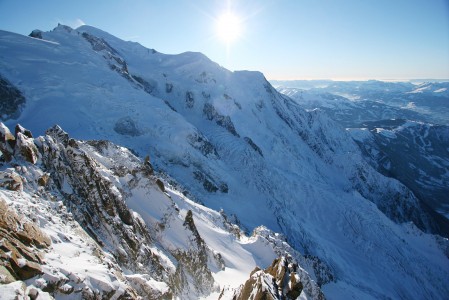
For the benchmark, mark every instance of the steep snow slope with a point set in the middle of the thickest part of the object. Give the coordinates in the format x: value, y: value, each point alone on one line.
x: 415, y: 153
x: 234, y: 143
x: 109, y: 228
x: 411, y: 151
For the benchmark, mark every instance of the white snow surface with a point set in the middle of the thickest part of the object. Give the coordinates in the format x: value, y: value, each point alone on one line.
x: 301, y: 183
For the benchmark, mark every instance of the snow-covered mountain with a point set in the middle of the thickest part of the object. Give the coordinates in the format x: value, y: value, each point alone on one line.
x: 372, y: 100
x: 416, y: 153
x: 235, y: 144
x: 349, y: 110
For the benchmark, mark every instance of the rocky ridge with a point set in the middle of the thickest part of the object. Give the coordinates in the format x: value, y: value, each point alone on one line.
x: 281, y: 280
x: 67, y: 228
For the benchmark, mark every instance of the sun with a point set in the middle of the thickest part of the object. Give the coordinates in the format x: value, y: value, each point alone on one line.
x: 229, y: 27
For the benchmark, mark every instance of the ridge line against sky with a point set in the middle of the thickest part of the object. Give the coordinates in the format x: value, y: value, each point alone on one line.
x: 284, y: 39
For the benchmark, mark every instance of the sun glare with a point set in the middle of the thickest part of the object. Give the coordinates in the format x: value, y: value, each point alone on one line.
x: 228, y: 27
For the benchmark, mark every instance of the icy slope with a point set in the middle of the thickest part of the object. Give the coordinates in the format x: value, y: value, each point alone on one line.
x: 108, y: 227
x: 234, y: 143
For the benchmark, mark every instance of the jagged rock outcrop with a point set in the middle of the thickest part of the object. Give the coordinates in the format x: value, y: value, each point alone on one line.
x: 253, y: 145
x: 192, y: 264
x: 210, y: 184
x: 200, y: 142
x: 212, y: 114
x: 318, y: 273
x: 60, y: 167
x: 7, y: 143
x: 278, y: 281
x: 96, y: 203
x: 22, y: 246
x: 36, y: 33
x: 10, y: 180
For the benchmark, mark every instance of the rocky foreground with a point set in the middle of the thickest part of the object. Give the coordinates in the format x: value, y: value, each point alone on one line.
x: 67, y: 231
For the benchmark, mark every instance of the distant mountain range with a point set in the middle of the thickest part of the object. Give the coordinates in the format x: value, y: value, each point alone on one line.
x: 383, y: 107
x: 170, y: 176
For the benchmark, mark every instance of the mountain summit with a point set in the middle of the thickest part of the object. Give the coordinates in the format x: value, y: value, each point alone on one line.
x: 230, y: 141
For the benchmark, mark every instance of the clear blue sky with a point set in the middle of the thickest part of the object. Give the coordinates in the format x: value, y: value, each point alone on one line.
x: 285, y: 39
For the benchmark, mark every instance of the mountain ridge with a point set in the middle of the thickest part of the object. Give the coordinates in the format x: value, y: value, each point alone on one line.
x: 234, y: 143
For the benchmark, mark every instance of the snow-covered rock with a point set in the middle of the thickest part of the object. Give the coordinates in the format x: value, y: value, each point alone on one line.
x: 92, y: 220
x: 281, y: 280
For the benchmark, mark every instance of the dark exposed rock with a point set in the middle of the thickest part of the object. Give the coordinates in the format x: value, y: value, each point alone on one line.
x: 146, y: 85
x: 25, y: 148
x: 11, y: 181
x: 190, y: 100
x: 223, y: 187
x: 115, y: 61
x: 255, y: 287
x: 193, y: 262
x: 98, y: 44
x: 253, y: 145
x: 11, y: 100
x: 147, y: 167
x: 21, y: 240
x: 59, y: 135
x: 7, y: 143
x: 127, y: 126
x: 168, y: 88
x: 6, y: 276
x: 190, y: 224
x: 24, y: 131
x: 160, y: 184
x: 170, y: 106
x: 21, y: 146
x: 208, y: 183
x: 224, y: 121
x: 278, y: 281
x: 36, y: 33
x: 69, y: 171
x: 198, y: 141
